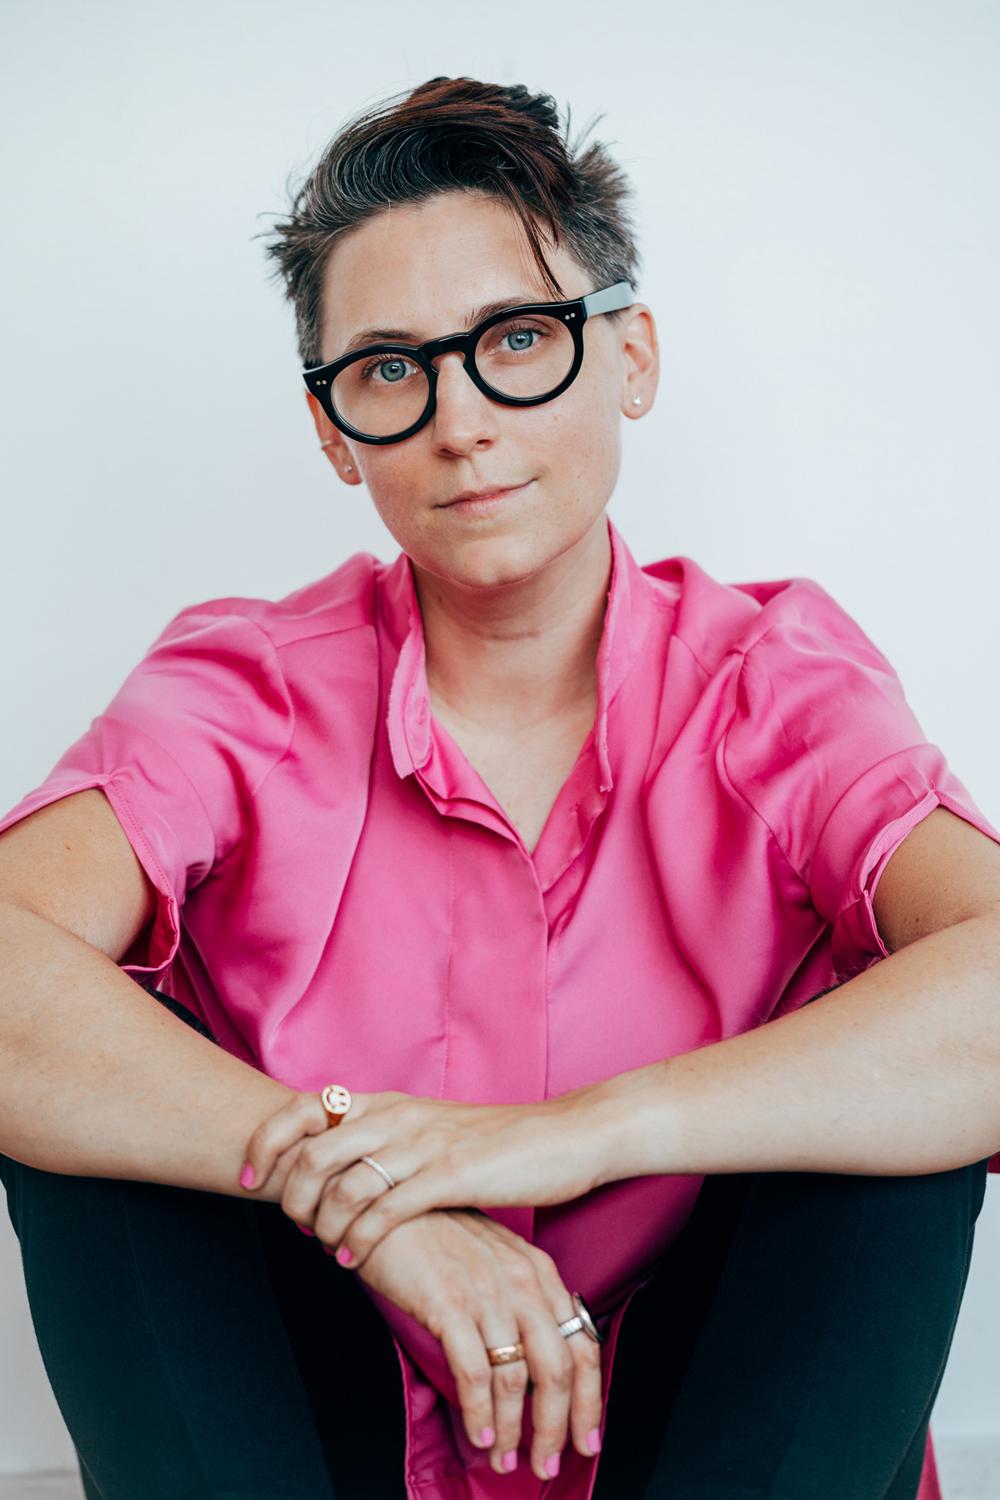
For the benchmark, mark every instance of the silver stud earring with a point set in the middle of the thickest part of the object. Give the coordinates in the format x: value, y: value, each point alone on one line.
x: 328, y: 443
x: 636, y: 400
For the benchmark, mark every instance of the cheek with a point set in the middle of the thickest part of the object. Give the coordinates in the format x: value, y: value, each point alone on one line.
x: 584, y: 436
x: 392, y: 481
x: 588, y: 412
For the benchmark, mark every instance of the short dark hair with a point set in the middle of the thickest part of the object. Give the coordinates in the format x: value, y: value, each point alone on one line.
x: 456, y: 133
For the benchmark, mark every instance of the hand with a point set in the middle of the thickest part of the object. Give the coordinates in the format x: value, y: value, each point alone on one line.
x: 474, y: 1283
x: 440, y: 1153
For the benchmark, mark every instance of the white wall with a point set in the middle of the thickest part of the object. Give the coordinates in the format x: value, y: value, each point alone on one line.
x: 819, y: 221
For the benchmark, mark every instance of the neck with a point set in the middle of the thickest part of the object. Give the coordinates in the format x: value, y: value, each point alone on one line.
x: 522, y: 655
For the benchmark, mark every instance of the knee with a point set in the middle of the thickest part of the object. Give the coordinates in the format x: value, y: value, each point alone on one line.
x: 11, y: 1177
x: 920, y: 1216
x: 957, y: 1191
x: 964, y: 1188
x: 916, y: 1215
x: 42, y: 1201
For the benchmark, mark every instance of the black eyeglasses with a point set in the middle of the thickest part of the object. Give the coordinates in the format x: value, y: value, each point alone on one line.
x: 387, y: 392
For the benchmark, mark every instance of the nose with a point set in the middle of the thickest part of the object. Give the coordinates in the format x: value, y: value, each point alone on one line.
x: 463, y: 414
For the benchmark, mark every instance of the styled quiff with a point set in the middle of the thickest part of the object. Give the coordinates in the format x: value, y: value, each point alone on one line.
x: 457, y: 133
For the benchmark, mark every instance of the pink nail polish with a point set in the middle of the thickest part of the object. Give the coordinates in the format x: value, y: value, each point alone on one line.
x: 306, y: 1230
x: 594, y: 1440
x: 552, y: 1465
x: 509, y: 1461
x: 487, y: 1437
x: 344, y: 1256
x: 246, y: 1176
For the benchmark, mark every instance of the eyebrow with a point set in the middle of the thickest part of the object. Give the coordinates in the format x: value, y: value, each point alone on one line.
x: 407, y: 336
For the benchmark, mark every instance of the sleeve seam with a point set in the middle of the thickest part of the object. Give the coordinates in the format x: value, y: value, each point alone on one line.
x: 875, y: 766
x: 116, y: 774
x: 217, y: 863
x: 288, y: 698
x: 733, y: 782
x: 164, y: 890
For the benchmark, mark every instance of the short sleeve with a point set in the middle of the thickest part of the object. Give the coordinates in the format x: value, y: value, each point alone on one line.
x: 180, y: 752
x: 827, y: 751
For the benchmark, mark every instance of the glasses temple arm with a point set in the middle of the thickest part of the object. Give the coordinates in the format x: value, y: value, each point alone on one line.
x: 609, y: 299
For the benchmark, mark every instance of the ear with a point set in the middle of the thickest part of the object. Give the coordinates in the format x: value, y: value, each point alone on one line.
x: 335, y: 448
x: 641, y: 360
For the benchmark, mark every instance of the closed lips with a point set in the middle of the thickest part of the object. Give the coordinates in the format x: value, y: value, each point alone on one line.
x: 485, y: 494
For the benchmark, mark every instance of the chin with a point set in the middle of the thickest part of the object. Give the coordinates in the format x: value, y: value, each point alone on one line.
x: 490, y: 560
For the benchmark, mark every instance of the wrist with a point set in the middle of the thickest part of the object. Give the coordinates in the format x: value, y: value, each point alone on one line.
x: 627, y: 1123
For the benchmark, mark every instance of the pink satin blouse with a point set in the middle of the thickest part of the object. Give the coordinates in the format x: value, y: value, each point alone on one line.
x: 340, y: 896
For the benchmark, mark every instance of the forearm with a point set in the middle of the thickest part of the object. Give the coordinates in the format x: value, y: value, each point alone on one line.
x: 99, y: 1080
x: 896, y: 1072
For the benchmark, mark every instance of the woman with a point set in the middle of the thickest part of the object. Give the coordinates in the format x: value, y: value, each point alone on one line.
x: 496, y: 858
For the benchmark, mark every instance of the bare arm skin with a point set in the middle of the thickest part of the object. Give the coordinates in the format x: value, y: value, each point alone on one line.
x: 96, y: 1078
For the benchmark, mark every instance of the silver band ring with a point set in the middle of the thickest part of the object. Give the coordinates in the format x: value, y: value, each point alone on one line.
x: 391, y: 1181
x: 581, y: 1322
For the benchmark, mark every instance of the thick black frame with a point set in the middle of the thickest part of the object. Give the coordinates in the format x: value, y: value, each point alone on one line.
x: 575, y: 312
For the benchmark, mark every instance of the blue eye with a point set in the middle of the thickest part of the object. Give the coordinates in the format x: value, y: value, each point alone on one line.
x: 383, y: 362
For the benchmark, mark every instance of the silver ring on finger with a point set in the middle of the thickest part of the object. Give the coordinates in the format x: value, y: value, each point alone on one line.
x: 505, y: 1354
x: 581, y: 1321
x: 371, y: 1162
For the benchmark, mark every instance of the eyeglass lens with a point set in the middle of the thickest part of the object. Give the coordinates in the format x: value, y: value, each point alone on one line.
x: 383, y: 393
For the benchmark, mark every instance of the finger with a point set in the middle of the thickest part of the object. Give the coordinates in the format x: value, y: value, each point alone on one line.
x: 510, y: 1384
x: 467, y: 1359
x: 323, y: 1158
x: 586, y: 1404
x: 586, y: 1399
x: 281, y: 1170
x: 302, y: 1115
x: 552, y: 1373
x: 342, y: 1200
x: 426, y: 1188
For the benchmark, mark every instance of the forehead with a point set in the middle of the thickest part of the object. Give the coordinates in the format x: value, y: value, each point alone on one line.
x: 423, y: 269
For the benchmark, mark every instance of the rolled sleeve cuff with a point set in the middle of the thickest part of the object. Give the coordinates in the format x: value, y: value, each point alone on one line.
x: 866, y: 826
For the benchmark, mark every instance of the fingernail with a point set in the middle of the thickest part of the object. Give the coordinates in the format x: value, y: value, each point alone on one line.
x: 509, y: 1460
x: 306, y: 1230
x: 344, y: 1256
x: 594, y: 1440
x: 487, y: 1437
x: 246, y: 1176
x: 552, y: 1465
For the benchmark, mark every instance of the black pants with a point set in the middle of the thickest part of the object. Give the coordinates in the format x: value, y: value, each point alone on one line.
x: 791, y: 1343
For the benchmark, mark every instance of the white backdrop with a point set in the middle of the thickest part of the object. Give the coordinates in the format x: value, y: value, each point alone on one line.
x: 820, y: 229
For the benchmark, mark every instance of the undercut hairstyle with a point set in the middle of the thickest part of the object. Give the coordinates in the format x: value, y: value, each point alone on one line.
x: 447, y: 134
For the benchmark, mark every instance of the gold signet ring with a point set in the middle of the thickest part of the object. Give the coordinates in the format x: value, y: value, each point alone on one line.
x: 336, y: 1100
